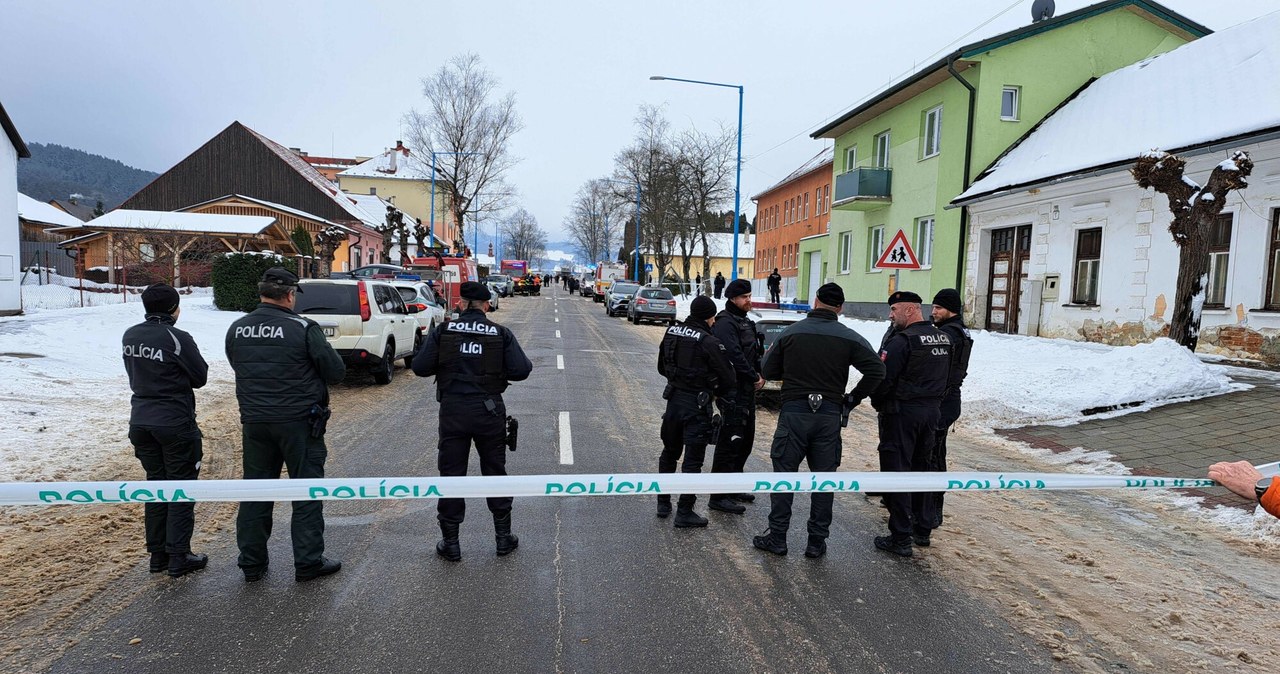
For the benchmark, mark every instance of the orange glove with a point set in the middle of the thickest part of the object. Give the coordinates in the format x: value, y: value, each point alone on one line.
x: 1271, y: 499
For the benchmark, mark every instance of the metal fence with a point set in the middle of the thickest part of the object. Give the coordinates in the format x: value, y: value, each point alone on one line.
x: 47, y: 255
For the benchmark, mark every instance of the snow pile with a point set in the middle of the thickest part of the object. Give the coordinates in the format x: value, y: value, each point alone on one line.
x: 44, y: 289
x: 64, y: 396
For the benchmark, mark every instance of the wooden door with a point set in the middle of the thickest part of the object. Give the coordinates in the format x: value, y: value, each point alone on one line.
x: 1010, y: 253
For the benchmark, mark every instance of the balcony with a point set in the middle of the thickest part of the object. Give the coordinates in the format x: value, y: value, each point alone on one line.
x: 863, y: 189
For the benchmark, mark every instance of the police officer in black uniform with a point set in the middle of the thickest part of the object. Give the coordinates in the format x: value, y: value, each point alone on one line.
x: 283, y: 367
x: 812, y: 357
x: 164, y: 366
x: 948, y: 317
x: 737, y: 333
x: 697, y: 370
x: 917, y: 362
x: 473, y: 360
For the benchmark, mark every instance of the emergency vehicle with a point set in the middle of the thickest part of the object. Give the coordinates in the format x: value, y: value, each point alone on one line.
x: 606, y: 273
x: 446, y: 274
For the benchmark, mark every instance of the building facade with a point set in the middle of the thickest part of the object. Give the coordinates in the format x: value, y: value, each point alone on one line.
x: 796, y: 208
x: 12, y: 148
x: 402, y: 178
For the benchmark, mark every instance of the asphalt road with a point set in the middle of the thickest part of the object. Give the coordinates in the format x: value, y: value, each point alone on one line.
x: 598, y: 583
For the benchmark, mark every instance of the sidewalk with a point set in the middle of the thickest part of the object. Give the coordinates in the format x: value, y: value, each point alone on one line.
x: 1179, y: 440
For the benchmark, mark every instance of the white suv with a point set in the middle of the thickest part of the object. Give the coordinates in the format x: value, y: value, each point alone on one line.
x: 366, y: 321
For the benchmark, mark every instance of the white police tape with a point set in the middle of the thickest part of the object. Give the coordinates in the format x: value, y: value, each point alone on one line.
x: 356, y: 488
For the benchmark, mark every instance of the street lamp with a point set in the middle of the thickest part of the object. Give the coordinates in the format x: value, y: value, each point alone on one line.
x: 433, y: 188
x: 737, y: 181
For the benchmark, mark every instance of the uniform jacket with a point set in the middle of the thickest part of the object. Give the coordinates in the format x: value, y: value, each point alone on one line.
x: 961, y: 347
x: 283, y: 365
x: 775, y: 280
x: 814, y: 356
x: 698, y: 361
x: 738, y: 335
x: 515, y: 366
x: 164, y: 366
x: 917, y: 362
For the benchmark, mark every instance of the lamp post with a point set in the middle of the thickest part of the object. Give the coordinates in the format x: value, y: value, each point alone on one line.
x: 737, y: 181
x: 433, y: 188
x: 636, y: 253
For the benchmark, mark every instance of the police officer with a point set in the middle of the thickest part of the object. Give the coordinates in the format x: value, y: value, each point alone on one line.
x: 473, y: 360
x: 741, y: 342
x: 283, y: 367
x: 164, y: 366
x: 812, y: 357
x: 775, y: 286
x: 697, y: 369
x: 947, y: 317
x: 917, y: 361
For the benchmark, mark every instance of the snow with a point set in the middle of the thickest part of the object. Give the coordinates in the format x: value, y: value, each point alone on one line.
x: 272, y: 205
x: 179, y: 222
x: 407, y: 168
x: 1219, y: 86
x: 38, y: 211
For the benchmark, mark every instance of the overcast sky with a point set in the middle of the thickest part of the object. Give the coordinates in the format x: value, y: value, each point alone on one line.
x: 149, y: 82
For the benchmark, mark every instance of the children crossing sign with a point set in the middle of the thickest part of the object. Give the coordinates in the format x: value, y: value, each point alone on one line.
x: 898, y: 255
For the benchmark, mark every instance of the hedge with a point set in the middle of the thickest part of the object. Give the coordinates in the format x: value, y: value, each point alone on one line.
x: 235, y: 278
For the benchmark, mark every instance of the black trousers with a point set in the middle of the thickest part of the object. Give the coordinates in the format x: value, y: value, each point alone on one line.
x: 686, y: 430
x: 267, y: 448
x: 463, y: 421
x: 947, y: 415
x: 813, y: 437
x: 737, y: 434
x: 907, y: 444
x: 775, y: 295
x: 168, y: 453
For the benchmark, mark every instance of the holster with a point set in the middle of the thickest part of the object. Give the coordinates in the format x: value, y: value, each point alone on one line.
x: 513, y: 432
x: 318, y: 419
x: 666, y: 392
x: 717, y: 422
x: 849, y: 403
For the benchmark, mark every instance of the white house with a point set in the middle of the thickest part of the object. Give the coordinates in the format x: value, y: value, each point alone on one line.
x: 1063, y: 242
x: 11, y: 150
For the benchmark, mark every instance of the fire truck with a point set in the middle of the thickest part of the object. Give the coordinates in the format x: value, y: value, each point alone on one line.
x: 446, y: 274
x: 606, y: 273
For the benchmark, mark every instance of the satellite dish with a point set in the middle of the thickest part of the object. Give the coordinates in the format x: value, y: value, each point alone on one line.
x: 1041, y: 10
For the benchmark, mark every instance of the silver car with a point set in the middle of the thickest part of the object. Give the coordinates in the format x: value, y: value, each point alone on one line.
x: 618, y: 296
x: 652, y: 304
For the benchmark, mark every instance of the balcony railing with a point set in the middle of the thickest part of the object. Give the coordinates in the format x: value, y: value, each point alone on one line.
x: 864, y: 189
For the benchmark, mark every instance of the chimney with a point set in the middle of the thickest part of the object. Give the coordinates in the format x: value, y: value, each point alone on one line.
x: 394, y: 154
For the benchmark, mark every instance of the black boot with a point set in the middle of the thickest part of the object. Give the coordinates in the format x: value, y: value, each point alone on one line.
x: 902, y: 548
x: 686, y: 518
x: 159, y: 562
x: 183, y: 563
x: 726, y: 505
x: 743, y: 498
x: 664, y: 506
x: 817, y: 547
x: 770, y: 541
x: 507, y: 542
x: 327, y: 567
x: 448, y: 546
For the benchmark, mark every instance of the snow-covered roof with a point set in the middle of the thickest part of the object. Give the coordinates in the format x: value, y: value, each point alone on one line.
x: 270, y: 204
x: 825, y: 156
x: 1221, y: 86
x: 214, y: 223
x: 486, y: 260
x: 407, y: 167
x: 38, y: 211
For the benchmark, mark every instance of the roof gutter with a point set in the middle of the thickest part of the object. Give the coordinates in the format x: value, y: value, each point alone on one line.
x: 968, y: 157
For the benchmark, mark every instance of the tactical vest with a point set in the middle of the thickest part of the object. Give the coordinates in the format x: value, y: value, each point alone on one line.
x: 684, y: 360
x: 746, y: 335
x: 961, y: 347
x: 471, y: 350
x: 275, y: 378
x: 925, y: 376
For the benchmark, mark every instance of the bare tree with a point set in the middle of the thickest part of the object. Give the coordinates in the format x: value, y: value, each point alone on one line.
x: 175, y: 258
x: 706, y: 166
x: 470, y: 127
x: 595, y: 220
x: 651, y: 161
x: 522, y: 237
x: 1194, y: 210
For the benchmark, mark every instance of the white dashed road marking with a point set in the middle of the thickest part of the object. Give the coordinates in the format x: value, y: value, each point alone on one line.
x: 557, y: 334
x: 566, y: 440
x: 559, y: 362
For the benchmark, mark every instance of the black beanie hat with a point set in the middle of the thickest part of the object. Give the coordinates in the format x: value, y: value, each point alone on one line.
x: 702, y: 308
x: 737, y: 287
x: 904, y: 296
x: 831, y: 295
x: 474, y: 291
x: 949, y: 299
x: 160, y: 298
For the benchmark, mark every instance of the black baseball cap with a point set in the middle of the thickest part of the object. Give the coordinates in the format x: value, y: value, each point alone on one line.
x: 281, y: 277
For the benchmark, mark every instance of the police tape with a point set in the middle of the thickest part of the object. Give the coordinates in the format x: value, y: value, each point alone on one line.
x: 346, y: 489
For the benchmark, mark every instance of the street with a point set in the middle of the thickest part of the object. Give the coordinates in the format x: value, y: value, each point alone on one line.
x: 598, y: 584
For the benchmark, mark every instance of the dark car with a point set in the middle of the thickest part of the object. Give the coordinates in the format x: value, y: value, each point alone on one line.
x: 652, y: 304
x: 369, y: 271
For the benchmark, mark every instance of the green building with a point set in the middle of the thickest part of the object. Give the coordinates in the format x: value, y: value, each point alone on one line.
x: 903, y: 155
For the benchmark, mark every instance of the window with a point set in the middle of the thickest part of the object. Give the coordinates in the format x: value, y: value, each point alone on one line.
x: 1273, y: 275
x: 806, y: 205
x: 850, y: 158
x: 826, y: 198
x: 1009, y: 103
x: 1219, y: 260
x: 845, y: 250
x: 875, y: 246
x: 373, y: 190
x: 147, y: 252
x: 924, y: 241
x: 932, y: 133
x: 882, y: 150
x: 817, y: 202
x: 1088, y: 259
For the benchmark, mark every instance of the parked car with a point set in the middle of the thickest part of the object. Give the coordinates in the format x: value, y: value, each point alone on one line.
x: 618, y: 296
x: 652, y: 304
x: 379, y: 271
x: 500, y: 284
x: 430, y: 309
x: 366, y: 321
x: 494, y: 301
x: 586, y: 285
x: 770, y: 324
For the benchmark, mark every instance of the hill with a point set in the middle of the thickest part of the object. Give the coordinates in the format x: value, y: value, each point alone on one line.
x: 56, y: 172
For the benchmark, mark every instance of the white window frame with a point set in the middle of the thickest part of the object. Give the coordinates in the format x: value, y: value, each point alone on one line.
x: 875, y: 248
x: 850, y: 158
x: 1220, y: 260
x: 1017, y: 103
x: 806, y: 206
x: 932, y: 125
x: 883, y: 146
x: 845, y: 251
x: 826, y: 198
x: 924, y: 244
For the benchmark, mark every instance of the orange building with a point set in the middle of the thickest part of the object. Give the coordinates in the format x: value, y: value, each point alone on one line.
x: 797, y: 207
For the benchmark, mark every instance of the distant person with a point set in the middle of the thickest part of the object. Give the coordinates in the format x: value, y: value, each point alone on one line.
x: 812, y: 358
x: 1245, y: 481
x: 164, y: 367
x: 947, y: 317
x: 283, y: 367
x: 719, y: 284
x: 775, y: 286
x: 697, y: 284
